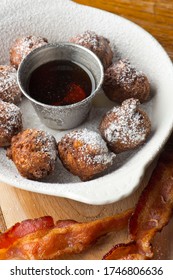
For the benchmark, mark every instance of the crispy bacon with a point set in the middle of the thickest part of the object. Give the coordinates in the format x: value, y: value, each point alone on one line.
x: 42, y: 239
x: 122, y: 251
x: 19, y: 230
x: 155, y: 206
x: 153, y: 211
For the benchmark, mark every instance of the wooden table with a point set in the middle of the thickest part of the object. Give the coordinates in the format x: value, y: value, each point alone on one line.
x: 16, y: 205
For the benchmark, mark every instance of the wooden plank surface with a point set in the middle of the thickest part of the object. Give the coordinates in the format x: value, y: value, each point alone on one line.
x: 17, y: 205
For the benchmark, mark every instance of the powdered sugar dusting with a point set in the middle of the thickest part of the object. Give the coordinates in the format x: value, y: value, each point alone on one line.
x: 7, y: 79
x: 88, y: 38
x: 93, y: 147
x: 133, y: 83
x: 127, y: 73
x: 23, y: 46
x: 90, y: 138
x: 61, y: 175
x: 10, y: 118
x: 98, y: 44
x: 46, y: 143
x: 9, y: 90
x: 128, y: 126
x: 26, y: 44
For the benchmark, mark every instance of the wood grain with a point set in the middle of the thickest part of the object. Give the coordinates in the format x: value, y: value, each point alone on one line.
x: 155, y: 16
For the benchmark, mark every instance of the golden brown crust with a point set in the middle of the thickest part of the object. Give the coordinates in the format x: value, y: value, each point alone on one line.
x: 10, y: 122
x: 84, y: 153
x: 34, y: 153
x: 125, y: 127
x: 23, y: 46
x: 123, y: 81
x: 9, y: 89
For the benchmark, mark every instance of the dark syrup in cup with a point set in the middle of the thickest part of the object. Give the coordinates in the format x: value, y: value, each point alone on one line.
x: 60, y: 82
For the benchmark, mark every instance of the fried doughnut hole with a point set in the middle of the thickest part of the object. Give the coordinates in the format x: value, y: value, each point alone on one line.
x: 84, y: 153
x: 9, y: 89
x: 123, y: 81
x: 97, y: 44
x: 23, y: 46
x: 125, y: 127
x: 34, y: 153
x: 10, y: 122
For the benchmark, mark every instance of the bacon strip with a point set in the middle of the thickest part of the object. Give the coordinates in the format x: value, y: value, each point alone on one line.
x: 153, y: 211
x: 19, y: 230
x: 122, y: 251
x: 155, y: 206
x: 44, y: 240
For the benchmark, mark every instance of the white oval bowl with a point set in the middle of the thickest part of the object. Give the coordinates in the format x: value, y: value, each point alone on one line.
x: 59, y: 21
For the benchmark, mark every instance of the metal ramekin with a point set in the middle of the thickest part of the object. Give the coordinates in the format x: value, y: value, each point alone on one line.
x: 68, y: 116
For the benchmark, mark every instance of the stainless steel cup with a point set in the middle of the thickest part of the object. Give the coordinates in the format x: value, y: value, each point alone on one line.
x: 68, y: 116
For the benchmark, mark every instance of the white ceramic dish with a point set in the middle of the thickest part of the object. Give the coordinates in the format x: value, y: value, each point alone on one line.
x: 58, y: 21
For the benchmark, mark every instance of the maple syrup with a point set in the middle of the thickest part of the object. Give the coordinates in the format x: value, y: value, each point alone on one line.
x: 60, y: 82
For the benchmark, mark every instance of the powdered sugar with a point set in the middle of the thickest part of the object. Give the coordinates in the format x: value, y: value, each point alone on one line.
x: 123, y: 81
x: 92, y: 147
x: 127, y: 73
x: 10, y: 117
x: 9, y: 90
x: 128, y: 126
x: 91, y: 138
x: 24, y: 45
x: 124, y: 74
x: 46, y: 143
x: 7, y: 79
x: 88, y: 38
x: 10, y: 122
x: 98, y: 44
